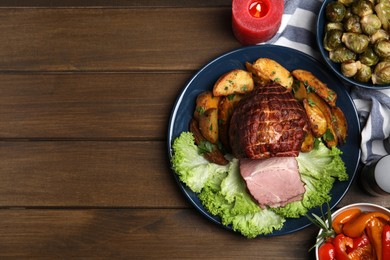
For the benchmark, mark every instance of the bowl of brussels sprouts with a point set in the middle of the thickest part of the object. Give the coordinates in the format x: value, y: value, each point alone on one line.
x: 353, y: 37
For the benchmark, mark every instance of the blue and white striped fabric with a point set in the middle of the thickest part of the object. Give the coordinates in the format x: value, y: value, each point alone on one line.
x: 298, y: 31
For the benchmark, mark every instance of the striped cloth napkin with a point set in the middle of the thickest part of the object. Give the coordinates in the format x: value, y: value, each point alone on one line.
x: 298, y: 31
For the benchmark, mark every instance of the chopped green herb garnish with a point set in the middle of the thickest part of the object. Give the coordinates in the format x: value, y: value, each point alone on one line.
x: 330, y: 95
x: 205, y: 147
x: 295, y: 86
x: 328, y: 136
x: 231, y: 96
x: 311, y: 102
x: 309, y: 88
x: 200, y: 110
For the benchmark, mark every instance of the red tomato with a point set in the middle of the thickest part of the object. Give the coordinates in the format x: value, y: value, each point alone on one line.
x: 327, y: 252
x: 386, y: 242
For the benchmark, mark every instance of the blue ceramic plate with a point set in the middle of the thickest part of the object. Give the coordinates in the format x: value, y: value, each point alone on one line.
x: 335, y: 67
x: 291, y: 59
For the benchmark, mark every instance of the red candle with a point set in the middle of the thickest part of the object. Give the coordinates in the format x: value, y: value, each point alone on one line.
x: 256, y: 21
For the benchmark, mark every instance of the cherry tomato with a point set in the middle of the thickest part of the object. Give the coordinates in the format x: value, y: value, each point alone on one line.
x: 327, y: 252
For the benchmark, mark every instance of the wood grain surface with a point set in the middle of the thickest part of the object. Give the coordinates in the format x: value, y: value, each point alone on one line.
x: 86, y: 92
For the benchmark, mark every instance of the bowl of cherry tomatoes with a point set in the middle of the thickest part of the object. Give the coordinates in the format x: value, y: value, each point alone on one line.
x: 356, y: 231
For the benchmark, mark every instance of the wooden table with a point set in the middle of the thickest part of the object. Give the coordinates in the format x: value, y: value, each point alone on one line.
x: 86, y: 91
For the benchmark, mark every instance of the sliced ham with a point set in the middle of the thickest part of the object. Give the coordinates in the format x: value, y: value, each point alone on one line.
x: 273, y: 182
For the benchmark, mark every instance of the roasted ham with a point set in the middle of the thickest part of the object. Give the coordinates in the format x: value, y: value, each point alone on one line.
x: 272, y: 182
x: 269, y: 122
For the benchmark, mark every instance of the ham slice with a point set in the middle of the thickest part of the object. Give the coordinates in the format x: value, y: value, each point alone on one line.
x: 273, y: 182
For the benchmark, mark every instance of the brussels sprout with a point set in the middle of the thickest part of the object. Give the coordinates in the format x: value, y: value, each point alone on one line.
x: 349, y: 68
x: 356, y: 42
x: 369, y: 57
x: 381, y: 73
x: 379, y: 35
x: 382, y: 9
x: 363, y: 74
x: 362, y: 8
x: 382, y: 48
x: 346, y: 2
x: 352, y: 24
x: 332, y: 39
x: 334, y: 26
x: 348, y: 13
x: 370, y: 24
x: 335, y: 11
x: 341, y: 54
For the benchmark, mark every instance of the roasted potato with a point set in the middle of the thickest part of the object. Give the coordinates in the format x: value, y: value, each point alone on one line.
x: 208, y: 125
x: 226, y: 107
x: 329, y: 137
x: 317, y: 120
x: 312, y: 82
x: 299, y: 90
x: 205, y: 101
x: 340, y: 124
x: 259, y: 81
x: 214, y: 156
x: 225, y: 111
x: 269, y: 70
x: 308, y: 142
x: 234, y: 82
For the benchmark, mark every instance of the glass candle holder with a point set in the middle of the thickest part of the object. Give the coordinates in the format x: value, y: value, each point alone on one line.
x: 375, y: 178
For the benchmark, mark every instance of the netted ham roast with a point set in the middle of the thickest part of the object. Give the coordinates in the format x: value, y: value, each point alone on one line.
x: 268, y: 122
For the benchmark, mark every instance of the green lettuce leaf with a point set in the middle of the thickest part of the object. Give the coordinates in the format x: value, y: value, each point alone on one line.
x: 223, y: 192
x: 319, y: 169
x: 193, y: 169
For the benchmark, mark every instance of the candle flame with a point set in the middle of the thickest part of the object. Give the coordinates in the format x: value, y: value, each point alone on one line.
x: 258, y: 8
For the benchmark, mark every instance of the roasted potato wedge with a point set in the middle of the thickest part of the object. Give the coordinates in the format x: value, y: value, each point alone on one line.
x: 226, y: 107
x: 317, y: 120
x: 205, y: 101
x: 234, y: 82
x: 225, y: 111
x: 208, y: 125
x: 258, y: 79
x: 214, y: 156
x: 308, y: 142
x: 270, y: 70
x: 329, y: 137
x: 312, y: 82
x: 299, y: 90
x: 340, y: 124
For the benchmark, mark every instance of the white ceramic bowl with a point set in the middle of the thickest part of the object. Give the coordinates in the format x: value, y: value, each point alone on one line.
x: 364, y: 207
